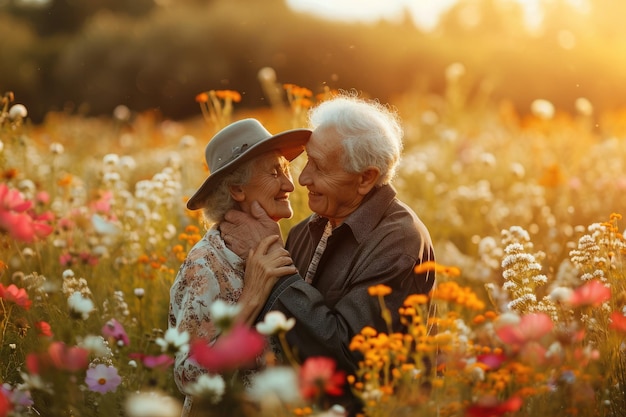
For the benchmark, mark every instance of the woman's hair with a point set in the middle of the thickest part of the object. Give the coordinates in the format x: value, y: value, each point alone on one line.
x: 218, y: 202
x: 371, y: 133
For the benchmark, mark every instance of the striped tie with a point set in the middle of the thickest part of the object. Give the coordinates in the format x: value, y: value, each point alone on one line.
x: 310, y: 273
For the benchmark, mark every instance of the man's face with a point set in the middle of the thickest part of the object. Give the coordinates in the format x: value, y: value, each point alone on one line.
x: 270, y: 185
x: 333, y: 192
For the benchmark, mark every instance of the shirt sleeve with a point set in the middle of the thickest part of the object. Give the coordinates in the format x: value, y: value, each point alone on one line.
x: 323, y: 331
x: 191, y: 296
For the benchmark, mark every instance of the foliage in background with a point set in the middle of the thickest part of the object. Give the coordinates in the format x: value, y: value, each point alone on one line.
x: 87, y: 58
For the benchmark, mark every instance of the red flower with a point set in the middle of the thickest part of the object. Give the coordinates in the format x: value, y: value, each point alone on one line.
x: 532, y: 327
x: 593, y: 293
x: 16, y: 295
x: 318, y: 375
x: 618, y: 322
x: 236, y: 349
x: 5, y: 405
x: 70, y: 359
x: 490, y: 407
x: 44, y: 328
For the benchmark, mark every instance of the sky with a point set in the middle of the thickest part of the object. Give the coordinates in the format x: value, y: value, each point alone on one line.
x: 424, y: 12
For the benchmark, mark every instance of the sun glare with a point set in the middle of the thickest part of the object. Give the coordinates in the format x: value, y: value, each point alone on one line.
x: 425, y: 13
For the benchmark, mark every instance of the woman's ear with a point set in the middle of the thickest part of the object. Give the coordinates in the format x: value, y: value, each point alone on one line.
x: 368, y: 180
x: 237, y: 193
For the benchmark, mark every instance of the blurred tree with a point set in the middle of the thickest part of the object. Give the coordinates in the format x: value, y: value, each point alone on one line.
x: 52, y: 17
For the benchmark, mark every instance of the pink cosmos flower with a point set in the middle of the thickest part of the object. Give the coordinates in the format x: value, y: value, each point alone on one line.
x: 161, y: 362
x: 114, y: 329
x: 15, y: 295
x: 66, y: 358
x: 492, y: 360
x: 318, y: 375
x: 236, y: 349
x: 103, y: 379
x: 16, y: 217
x: 531, y: 327
x: 593, y: 293
x: 490, y: 407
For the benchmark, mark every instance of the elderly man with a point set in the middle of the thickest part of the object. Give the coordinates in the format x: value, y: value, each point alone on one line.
x: 359, y: 235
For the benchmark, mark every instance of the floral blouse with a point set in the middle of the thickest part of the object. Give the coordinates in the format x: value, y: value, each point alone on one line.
x: 211, y: 271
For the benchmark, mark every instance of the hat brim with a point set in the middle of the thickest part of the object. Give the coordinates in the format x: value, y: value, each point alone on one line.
x: 290, y: 144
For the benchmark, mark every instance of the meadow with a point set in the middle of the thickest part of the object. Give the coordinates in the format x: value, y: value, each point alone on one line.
x: 524, y: 209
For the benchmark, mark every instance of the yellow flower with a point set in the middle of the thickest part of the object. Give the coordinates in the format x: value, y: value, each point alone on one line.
x: 202, y: 97
x: 369, y: 331
x: 379, y: 290
x: 228, y: 94
x: 451, y: 271
x: 415, y: 299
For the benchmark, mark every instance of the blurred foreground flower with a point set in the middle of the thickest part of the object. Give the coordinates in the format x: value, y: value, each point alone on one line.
x: 236, y: 349
x: 275, y: 322
x: 19, y: 220
x: 152, y: 404
x: 15, y: 295
x: 319, y: 376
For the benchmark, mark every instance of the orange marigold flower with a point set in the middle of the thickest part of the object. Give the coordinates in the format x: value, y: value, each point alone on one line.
x: 369, y: 331
x: 202, y: 97
x: 191, y: 228
x: 65, y: 180
x: 228, y: 94
x: 479, y: 319
x: 415, y: 299
x: 9, y: 174
x: 143, y: 259
x: 379, y: 290
x: 451, y: 271
x: 425, y: 267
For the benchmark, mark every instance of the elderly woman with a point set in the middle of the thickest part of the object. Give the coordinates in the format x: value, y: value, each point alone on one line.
x: 246, y: 164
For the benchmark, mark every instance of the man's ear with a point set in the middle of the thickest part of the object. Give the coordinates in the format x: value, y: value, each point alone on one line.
x: 368, y: 179
x: 237, y: 193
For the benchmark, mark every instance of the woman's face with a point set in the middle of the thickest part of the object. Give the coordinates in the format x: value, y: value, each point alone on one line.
x: 270, y: 185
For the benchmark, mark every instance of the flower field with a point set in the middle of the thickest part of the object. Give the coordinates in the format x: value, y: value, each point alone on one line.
x: 524, y: 208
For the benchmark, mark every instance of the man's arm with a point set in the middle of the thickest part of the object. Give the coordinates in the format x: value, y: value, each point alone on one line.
x: 325, y: 331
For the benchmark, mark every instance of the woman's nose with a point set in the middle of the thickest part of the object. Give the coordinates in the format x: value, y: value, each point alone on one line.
x: 287, y: 184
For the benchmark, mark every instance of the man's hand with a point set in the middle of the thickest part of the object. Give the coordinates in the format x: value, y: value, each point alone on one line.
x: 243, y: 232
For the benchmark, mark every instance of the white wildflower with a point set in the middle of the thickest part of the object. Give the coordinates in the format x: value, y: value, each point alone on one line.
x: 18, y: 111
x: 80, y: 305
x: 275, y: 322
x: 275, y: 385
x: 209, y: 387
x: 152, y: 404
x: 174, y: 340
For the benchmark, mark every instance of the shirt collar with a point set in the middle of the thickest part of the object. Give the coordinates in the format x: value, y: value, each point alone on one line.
x: 362, y: 220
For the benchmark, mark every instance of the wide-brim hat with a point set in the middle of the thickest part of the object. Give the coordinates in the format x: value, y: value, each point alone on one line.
x: 240, y: 142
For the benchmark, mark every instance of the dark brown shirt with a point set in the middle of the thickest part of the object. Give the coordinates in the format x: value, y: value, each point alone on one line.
x: 379, y: 243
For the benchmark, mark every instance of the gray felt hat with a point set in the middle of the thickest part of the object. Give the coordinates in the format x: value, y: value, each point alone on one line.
x: 240, y: 142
